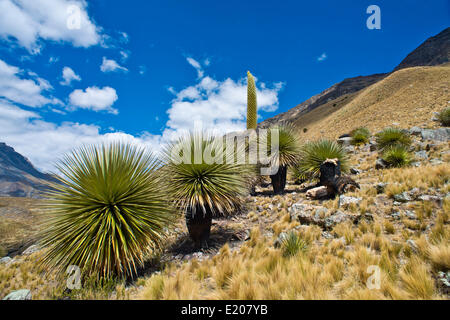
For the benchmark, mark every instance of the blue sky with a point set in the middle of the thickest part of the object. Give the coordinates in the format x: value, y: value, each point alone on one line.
x: 144, y: 70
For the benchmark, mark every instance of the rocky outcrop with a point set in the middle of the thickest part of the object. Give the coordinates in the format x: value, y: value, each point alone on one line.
x: 18, y: 177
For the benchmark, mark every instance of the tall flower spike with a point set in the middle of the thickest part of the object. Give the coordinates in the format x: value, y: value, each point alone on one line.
x: 252, y: 105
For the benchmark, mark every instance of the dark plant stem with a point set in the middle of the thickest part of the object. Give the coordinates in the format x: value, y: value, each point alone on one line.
x: 199, y: 223
x: 279, y: 180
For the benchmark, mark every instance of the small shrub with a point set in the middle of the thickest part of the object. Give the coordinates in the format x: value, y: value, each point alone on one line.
x: 305, y: 130
x: 392, y: 137
x: 292, y: 244
x: 313, y: 154
x: 444, y: 117
x: 360, y: 136
x: 397, y: 156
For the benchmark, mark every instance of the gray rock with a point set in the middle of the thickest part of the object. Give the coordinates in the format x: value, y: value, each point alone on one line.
x: 410, y: 215
x: 355, y: 171
x: 345, y: 141
x: 421, y: 155
x: 435, y: 199
x: 441, y: 134
x: 345, y: 201
x: 281, y: 237
x: 321, y: 212
x: 403, y: 197
x: 415, y: 131
x: 327, y: 235
x: 302, y: 212
x: 23, y: 294
x: 335, y: 219
x: 436, y: 162
x: 396, y: 215
x: 5, y: 260
x: 413, y: 246
x: 380, y: 164
x: 349, y: 149
x: 32, y: 249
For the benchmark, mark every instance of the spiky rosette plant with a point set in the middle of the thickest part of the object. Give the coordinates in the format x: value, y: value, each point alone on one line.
x: 390, y: 137
x: 397, y: 156
x: 204, y: 180
x: 108, y: 211
x: 252, y: 105
x: 444, y: 117
x: 360, y: 136
x: 313, y: 154
x: 285, y: 154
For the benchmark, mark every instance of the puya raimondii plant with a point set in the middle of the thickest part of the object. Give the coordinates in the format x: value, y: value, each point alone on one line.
x: 204, y: 187
x: 107, y: 213
x: 252, y: 104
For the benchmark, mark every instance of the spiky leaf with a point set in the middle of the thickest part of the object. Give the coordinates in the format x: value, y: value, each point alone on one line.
x: 252, y: 105
x: 107, y: 213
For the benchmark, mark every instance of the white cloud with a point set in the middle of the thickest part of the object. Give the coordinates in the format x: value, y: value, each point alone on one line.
x: 44, y: 142
x: 16, y: 88
x: 124, y: 55
x: 220, y: 106
x: 322, y: 57
x: 196, y: 65
x: 111, y: 66
x: 142, y: 70
x: 28, y: 22
x: 94, y: 98
x: 69, y: 75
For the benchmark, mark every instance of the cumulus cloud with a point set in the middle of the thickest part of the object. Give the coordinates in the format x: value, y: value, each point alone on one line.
x: 44, y: 142
x: 28, y: 22
x: 69, y: 75
x: 111, y: 66
x: 24, y: 88
x: 220, y: 106
x: 94, y: 98
x: 322, y: 57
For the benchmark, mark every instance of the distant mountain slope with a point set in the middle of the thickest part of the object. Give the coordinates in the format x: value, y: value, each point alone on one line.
x: 405, y: 98
x: 434, y: 51
x: 18, y: 177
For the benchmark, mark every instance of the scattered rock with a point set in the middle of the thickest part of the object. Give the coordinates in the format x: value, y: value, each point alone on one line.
x: 441, y: 134
x: 23, y: 294
x: 436, y: 162
x: 32, y: 249
x: 355, y: 171
x: 415, y: 131
x: 435, y: 199
x: 380, y: 164
x: 5, y: 260
x: 335, y: 219
x: 349, y: 149
x: 396, y: 215
x: 321, y: 212
x: 421, y: 155
x: 410, y: 215
x: 345, y: 201
x: 327, y: 235
x: 403, y: 197
x: 277, y: 243
x: 413, y: 246
x: 345, y: 141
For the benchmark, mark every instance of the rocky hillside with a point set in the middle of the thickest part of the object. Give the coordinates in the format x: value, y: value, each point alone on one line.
x: 434, y: 51
x: 18, y: 177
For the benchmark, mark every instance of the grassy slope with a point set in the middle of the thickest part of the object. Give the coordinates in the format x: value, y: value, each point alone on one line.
x: 407, y: 97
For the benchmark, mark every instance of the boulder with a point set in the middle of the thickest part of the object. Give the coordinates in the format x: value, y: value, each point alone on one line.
x: 441, y: 134
x: 380, y: 164
x: 345, y: 141
x: 421, y: 155
x: 335, y: 219
x: 5, y: 260
x: 23, y: 294
x: 346, y: 201
x: 403, y: 197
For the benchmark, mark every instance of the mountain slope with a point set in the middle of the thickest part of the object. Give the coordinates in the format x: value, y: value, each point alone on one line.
x: 434, y: 51
x: 405, y: 98
x: 18, y: 177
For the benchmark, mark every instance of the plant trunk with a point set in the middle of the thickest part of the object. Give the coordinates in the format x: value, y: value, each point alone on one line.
x: 279, y: 180
x: 199, y: 225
